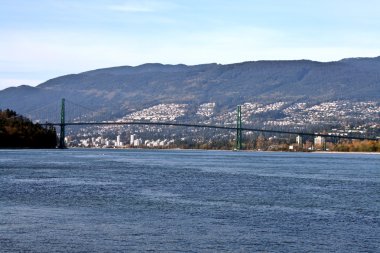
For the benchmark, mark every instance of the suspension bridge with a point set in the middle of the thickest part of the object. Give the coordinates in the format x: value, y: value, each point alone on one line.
x: 84, y: 116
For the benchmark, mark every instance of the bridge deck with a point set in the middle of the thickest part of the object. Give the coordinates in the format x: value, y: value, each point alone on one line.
x: 208, y: 126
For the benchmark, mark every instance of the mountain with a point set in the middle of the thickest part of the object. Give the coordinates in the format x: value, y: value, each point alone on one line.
x: 121, y: 90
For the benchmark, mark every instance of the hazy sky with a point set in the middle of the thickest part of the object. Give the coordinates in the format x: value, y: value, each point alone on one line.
x: 42, y: 39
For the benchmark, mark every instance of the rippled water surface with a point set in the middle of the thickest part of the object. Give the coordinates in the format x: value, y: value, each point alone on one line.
x: 188, y: 201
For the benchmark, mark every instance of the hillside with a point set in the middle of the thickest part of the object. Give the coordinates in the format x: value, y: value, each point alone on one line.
x: 122, y: 90
x: 19, y: 132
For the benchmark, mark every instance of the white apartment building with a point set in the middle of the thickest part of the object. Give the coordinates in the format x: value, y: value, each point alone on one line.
x: 319, y: 141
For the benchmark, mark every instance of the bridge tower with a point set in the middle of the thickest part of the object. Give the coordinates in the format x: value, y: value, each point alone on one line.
x: 238, y: 129
x: 62, y: 125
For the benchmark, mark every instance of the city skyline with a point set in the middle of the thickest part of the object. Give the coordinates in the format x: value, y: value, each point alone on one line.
x: 48, y: 38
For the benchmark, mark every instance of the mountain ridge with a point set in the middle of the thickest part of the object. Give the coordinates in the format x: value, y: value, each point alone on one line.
x: 126, y: 88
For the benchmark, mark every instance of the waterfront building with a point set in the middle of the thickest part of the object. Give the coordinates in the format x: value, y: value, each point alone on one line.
x: 319, y: 141
x: 299, y: 140
x: 132, y: 139
x: 137, y: 142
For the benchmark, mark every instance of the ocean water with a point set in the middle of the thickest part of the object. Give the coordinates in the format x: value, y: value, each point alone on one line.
x: 188, y: 201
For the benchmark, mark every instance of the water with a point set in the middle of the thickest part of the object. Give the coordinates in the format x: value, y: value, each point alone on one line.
x: 188, y: 201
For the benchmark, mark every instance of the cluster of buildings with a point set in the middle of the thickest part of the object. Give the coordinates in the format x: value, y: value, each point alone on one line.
x: 274, y: 115
x: 138, y: 142
x: 206, y: 110
x: 329, y: 112
x: 248, y: 110
x: 302, y: 114
x: 161, y: 112
x: 100, y: 142
x: 318, y: 143
x: 283, y: 113
x: 95, y: 142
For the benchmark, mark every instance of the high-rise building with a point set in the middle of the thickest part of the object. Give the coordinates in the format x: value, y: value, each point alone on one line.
x: 118, y: 140
x: 319, y: 141
x: 132, y: 139
x: 137, y: 142
x: 299, y: 139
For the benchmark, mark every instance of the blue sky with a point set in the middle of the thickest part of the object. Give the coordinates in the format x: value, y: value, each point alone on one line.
x: 43, y: 39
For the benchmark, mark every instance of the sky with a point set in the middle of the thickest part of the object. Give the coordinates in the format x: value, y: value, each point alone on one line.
x: 43, y: 39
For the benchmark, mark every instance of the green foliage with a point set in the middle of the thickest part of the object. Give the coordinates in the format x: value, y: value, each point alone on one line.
x: 19, y: 132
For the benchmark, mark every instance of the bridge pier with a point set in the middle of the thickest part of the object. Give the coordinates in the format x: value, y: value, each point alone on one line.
x: 62, y: 125
x: 238, y: 129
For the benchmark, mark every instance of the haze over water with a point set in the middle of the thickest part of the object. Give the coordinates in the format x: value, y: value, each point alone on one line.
x: 188, y: 201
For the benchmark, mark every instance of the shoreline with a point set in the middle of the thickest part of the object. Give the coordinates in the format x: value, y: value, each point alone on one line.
x: 193, y: 149
x: 345, y: 152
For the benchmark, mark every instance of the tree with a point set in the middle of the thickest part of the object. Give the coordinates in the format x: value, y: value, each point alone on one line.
x: 17, y: 131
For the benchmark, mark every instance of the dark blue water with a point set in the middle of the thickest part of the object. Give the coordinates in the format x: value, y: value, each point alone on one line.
x: 188, y: 201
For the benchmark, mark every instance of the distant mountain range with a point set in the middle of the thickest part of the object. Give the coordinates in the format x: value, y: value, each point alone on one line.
x: 121, y: 90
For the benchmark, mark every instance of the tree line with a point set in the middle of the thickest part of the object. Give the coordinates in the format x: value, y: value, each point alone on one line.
x: 17, y: 131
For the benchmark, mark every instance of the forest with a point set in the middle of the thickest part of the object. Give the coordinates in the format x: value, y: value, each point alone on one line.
x: 17, y: 131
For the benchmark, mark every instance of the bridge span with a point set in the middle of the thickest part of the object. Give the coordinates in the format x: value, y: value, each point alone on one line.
x: 238, y: 129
